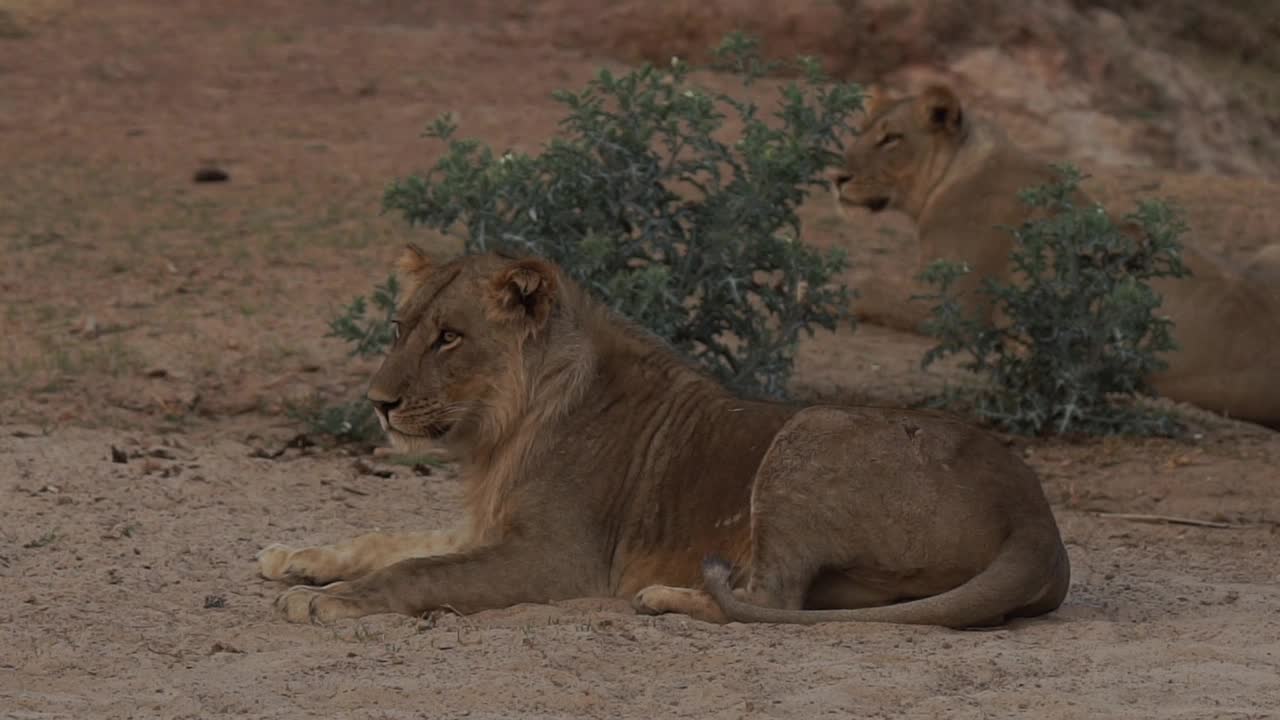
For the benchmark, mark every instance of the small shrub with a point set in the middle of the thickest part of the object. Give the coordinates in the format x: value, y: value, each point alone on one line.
x: 694, y: 237
x: 1080, y: 332
x: 10, y: 27
x: 44, y: 540
x: 352, y: 422
x: 369, y: 331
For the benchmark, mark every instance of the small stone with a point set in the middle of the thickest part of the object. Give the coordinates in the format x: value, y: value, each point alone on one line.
x: 87, y: 327
x: 210, y: 174
x: 364, y: 467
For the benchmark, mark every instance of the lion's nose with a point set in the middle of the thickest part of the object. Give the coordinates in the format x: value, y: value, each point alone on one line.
x: 838, y: 178
x: 384, y: 407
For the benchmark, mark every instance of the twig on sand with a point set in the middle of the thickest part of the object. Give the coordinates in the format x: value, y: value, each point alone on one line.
x: 1170, y: 519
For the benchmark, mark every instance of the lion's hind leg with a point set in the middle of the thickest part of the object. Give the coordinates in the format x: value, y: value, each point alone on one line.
x: 835, y: 590
x: 354, y: 558
x: 829, y: 591
x: 660, y: 599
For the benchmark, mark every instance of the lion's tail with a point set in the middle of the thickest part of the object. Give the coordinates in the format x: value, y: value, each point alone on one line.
x: 1015, y: 580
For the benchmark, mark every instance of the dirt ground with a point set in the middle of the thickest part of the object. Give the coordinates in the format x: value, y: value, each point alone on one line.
x: 155, y: 331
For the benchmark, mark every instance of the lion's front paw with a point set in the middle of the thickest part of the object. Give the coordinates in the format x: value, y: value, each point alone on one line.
x: 272, y: 561
x: 305, y: 604
x: 307, y: 566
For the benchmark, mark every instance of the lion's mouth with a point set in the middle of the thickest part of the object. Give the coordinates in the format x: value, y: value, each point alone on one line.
x: 876, y: 204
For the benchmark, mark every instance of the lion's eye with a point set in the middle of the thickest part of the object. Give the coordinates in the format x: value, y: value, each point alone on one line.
x: 889, y: 140
x: 447, y: 339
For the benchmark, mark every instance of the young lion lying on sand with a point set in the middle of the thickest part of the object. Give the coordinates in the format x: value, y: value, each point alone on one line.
x: 597, y: 463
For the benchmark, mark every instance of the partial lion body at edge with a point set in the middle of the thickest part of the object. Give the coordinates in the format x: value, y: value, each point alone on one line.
x: 958, y: 178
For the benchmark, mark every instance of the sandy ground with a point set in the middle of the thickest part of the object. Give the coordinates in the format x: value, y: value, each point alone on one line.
x: 169, y: 325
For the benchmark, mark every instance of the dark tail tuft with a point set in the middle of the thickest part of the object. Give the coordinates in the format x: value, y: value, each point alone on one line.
x: 716, y: 571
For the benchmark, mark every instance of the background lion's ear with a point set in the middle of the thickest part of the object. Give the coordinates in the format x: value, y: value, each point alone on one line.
x: 875, y: 97
x: 940, y: 109
x: 413, y: 262
x: 524, y: 292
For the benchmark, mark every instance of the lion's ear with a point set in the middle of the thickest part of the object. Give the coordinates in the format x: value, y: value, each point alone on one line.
x: 875, y: 97
x: 524, y: 293
x: 940, y: 109
x: 413, y: 262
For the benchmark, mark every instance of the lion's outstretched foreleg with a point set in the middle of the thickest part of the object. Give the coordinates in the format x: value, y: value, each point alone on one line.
x: 483, y: 578
x: 350, y: 559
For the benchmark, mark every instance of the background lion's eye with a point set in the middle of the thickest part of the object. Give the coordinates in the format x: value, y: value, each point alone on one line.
x: 889, y: 140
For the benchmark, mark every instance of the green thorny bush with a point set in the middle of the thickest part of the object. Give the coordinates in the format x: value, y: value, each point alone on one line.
x: 1080, y: 333
x: 694, y: 238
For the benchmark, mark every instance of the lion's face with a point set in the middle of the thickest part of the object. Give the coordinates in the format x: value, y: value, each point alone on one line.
x: 894, y: 159
x: 458, y: 332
